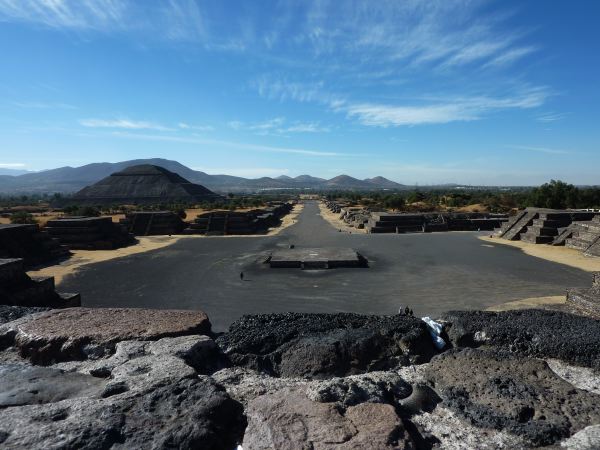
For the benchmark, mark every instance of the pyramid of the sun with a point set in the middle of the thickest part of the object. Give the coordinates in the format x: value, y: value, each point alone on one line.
x: 143, y: 184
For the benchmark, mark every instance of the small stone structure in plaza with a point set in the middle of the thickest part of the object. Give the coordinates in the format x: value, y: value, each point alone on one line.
x: 19, y: 289
x: 29, y: 242
x: 239, y: 222
x: 143, y: 184
x: 148, y: 223
x: 386, y: 222
x: 316, y: 258
x: 585, y: 236
x: 542, y: 226
x: 89, y: 233
x: 588, y: 299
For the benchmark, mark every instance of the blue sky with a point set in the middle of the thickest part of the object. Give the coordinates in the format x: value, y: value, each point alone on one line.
x: 478, y: 92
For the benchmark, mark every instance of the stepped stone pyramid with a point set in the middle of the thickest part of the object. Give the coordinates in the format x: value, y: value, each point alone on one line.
x: 143, y: 184
x: 542, y: 226
x: 19, y: 289
x: 149, y: 223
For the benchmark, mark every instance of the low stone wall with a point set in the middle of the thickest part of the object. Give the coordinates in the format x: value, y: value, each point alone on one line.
x: 95, y: 378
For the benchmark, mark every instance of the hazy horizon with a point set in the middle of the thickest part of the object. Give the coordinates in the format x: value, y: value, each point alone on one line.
x: 497, y: 93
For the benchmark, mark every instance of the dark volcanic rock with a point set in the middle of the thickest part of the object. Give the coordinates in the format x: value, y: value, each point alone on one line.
x: 523, y: 396
x: 287, y: 419
x: 324, y: 345
x: 531, y: 332
x: 9, y: 313
x: 375, y: 387
x: 22, y: 384
x: 80, y: 333
x: 187, y: 413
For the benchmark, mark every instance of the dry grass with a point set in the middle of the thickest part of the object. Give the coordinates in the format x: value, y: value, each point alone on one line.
x: 476, y: 207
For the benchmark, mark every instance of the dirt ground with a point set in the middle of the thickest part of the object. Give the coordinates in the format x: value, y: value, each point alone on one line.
x: 82, y: 258
x: 528, y: 303
x: 561, y: 255
x: 333, y: 219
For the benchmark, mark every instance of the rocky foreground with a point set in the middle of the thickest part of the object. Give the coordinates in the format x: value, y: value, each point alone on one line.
x: 134, y: 378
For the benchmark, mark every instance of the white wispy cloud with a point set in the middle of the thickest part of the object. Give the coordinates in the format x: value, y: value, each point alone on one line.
x: 124, y: 124
x: 78, y: 14
x: 43, y: 105
x: 551, y: 117
x: 12, y: 165
x: 550, y: 151
x: 510, y: 56
x: 187, y: 126
x: 229, y: 144
x: 451, y: 110
x: 278, y: 126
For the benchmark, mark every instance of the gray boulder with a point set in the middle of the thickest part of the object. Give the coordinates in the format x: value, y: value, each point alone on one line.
x: 288, y: 419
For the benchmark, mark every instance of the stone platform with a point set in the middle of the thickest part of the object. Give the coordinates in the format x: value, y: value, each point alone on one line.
x: 317, y: 258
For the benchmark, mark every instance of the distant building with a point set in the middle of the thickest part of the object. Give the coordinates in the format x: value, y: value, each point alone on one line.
x: 143, y: 184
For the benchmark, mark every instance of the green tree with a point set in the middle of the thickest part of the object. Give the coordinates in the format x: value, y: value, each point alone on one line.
x: 22, y: 217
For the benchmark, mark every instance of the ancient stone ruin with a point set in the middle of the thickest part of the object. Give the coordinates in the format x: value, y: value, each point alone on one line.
x: 316, y: 258
x: 19, y: 289
x: 239, y: 222
x: 386, y: 222
x: 588, y: 299
x: 585, y: 236
x: 27, y: 241
x: 148, y: 223
x: 143, y: 184
x: 545, y: 226
x: 89, y: 233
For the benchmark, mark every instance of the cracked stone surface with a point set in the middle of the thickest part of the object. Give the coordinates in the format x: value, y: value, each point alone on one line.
x: 81, y: 333
x: 518, y: 395
x: 288, y: 419
x: 146, y: 395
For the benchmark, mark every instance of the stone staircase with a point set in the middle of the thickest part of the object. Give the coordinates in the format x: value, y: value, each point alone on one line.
x: 517, y: 225
x: 546, y: 228
x: 586, y: 237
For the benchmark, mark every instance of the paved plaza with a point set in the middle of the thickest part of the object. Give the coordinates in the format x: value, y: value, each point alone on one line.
x: 431, y: 273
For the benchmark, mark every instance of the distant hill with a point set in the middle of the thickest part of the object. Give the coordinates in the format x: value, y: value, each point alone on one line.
x: 12, y: 172
x: 73, y: 179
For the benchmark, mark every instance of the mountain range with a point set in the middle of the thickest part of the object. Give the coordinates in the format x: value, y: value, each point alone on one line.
x: 72, y: 179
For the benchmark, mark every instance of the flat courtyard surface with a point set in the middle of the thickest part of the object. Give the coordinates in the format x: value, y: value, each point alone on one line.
x: 431, y: 273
